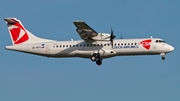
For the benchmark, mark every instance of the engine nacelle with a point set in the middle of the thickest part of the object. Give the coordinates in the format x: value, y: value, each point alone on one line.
x: 102, y: 37
x: 105, y: 53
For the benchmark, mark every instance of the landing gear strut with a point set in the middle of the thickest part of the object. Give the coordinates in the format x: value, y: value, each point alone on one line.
x: 162, y: 56
x: 96, y: 57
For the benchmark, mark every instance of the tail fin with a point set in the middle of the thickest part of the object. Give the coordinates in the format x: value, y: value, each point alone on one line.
x: 18, y: 33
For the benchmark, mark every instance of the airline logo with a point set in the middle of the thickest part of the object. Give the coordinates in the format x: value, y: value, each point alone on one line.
x: 18, y: 33
x: 42, y: 46
x: 146, y: 43
x: 126, y: 47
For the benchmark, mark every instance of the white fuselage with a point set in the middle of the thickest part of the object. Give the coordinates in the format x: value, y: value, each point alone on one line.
x: 95, y: 46
x: 121, y: 47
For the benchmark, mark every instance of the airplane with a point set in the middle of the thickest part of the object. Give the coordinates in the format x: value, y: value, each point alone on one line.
x: 95, y: 46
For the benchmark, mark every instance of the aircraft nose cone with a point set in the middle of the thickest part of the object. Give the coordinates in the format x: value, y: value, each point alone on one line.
x: 171, y: 48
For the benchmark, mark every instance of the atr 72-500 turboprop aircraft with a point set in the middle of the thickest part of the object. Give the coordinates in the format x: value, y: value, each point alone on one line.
x: 94, y: 46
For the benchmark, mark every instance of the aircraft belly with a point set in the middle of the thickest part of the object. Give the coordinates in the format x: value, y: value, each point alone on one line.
x: 84, y: 54
x: 88, y: 54
x: 62, y: 53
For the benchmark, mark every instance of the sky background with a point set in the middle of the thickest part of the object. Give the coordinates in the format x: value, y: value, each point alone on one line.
x: 25, y: 77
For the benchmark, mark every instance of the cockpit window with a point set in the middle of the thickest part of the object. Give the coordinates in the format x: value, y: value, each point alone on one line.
x: 160, y: 41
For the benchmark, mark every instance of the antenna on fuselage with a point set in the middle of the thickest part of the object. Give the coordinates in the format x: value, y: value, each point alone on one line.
x: 121, y: 37
x: 72, y: 40
x: 101, y: 35
x: 151, y: 37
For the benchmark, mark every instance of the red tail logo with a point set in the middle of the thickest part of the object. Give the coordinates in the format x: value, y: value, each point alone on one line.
x: 146, y: 44
x: 19, y: 34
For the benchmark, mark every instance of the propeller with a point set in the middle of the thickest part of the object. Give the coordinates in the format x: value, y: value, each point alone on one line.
x: 112, y: 36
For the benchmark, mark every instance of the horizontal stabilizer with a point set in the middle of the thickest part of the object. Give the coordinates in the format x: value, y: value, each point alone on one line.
x: 11, y: 20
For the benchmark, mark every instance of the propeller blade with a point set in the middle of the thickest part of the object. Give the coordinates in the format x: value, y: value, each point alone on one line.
x: 112, y: 36
x: 112, y: 31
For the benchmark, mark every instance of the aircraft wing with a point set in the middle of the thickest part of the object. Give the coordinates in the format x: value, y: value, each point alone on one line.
x: 84, y: 31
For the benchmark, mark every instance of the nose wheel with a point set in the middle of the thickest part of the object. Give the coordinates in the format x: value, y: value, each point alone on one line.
x: 162, y: 56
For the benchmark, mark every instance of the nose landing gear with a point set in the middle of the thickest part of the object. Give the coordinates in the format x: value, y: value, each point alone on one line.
x: 162, y: 56
x: 96, y: 57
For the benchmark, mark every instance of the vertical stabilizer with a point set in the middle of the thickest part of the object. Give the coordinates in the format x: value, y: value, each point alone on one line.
x: 18, y: 33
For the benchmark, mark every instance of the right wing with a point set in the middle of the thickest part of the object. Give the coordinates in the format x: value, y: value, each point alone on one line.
x: 84, y: 31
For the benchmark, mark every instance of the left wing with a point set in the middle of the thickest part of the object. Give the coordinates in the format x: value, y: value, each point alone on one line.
x: 84, y: 31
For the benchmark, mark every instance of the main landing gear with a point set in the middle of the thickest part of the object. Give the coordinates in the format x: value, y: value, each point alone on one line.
x: 96, y: 57
x: 162, y: 56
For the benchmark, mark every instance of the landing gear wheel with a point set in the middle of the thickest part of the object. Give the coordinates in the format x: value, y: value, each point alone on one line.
x: 163, y: 58
x: 93, y: 58
x: 99, y: 62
